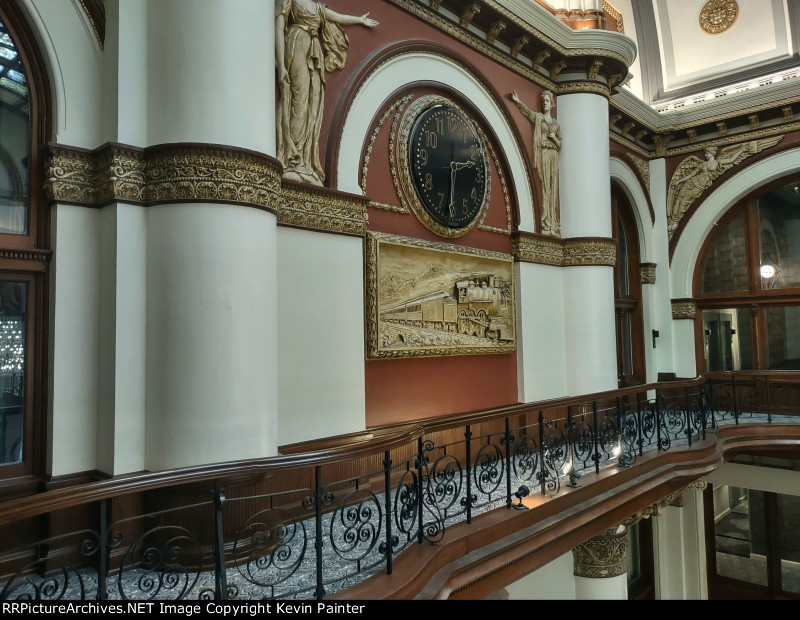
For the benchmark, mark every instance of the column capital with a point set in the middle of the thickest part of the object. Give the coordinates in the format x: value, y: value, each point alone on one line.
x: 604, y: 556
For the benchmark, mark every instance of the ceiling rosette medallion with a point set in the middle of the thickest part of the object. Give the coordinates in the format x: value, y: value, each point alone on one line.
x: 717, y: 16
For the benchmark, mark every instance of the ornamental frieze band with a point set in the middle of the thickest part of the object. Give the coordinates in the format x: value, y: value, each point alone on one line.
x: 647, y: 273
x: 196, y: 173
x: 579, y: 251
x: 165, y: 173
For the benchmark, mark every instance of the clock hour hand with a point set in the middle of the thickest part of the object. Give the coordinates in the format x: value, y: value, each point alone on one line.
x: 455, y: 166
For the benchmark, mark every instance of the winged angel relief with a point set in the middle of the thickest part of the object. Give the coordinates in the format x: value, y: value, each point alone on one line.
x: 694, y: 175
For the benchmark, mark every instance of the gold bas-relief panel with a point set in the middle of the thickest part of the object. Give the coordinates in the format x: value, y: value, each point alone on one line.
x: 437, y: 299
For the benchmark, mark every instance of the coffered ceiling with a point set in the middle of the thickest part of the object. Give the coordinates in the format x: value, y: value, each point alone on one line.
x: 682, y: 63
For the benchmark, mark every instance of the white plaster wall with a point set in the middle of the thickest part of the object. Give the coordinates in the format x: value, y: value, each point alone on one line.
x: 541, y: 362
x: 211, y: 319
x: 406, y: 68
x: 758, y: 478
x: 74, y: 66
x: 321, y: 385
x: 554, y: 581
x: 211, y: 73
x: 72, y: 414
x: 590, y: 336
x: 680, y: 559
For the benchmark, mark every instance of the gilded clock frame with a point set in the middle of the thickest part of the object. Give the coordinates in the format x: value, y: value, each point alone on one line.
x: 406, y: 181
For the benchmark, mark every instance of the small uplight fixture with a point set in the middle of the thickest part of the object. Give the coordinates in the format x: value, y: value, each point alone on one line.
x: 768, y: 271
x: 521, y: 492
x: 569, y: 470
x: 622, y: 459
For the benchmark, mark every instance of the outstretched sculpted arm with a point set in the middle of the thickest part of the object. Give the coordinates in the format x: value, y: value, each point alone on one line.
x: 733, y: 157
x: 349, y: 20
x: 280, y: 47
x: 523, y: 108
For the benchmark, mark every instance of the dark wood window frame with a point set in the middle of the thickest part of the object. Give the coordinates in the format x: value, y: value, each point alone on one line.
x: 643, y: 587
x: 755, y: 298
x: 721, y: 587
x: 31, y: 268
x: 628, y: 304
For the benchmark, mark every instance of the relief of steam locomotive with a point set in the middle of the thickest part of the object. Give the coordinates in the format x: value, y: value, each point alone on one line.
x: 473, y: 309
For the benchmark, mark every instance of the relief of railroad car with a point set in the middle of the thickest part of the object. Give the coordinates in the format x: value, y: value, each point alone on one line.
x: 472, y: 308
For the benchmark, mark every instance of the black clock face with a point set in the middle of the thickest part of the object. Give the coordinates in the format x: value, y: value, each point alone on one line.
x: 448, y: 166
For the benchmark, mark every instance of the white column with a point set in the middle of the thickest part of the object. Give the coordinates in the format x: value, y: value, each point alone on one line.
x: 600, y: 566
x: 585, y: 195
x: 211, y: 268
x: 679, y: 537
x: 613, y: 588
x: 660, y: 294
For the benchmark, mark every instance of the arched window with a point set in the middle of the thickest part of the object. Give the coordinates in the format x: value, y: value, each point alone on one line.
x: 23, y: 255
x: 627, y: 293
x: 747, y: 283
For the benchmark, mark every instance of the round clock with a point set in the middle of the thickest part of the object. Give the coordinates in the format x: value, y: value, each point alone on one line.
x: 444, y: 165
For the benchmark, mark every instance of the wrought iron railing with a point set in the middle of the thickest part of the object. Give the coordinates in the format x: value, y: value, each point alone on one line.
x: 308, y: 525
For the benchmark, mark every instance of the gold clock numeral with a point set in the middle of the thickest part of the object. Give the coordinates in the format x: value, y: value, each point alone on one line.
x: 474, y: 194
x: 440, y: 126
x: 431, y: 139
x: 423, y: 157
x: 441, y: 199
x: 452, y: 124
x: 474, y: 152
x: 429, y: 181
x: 465, y: 206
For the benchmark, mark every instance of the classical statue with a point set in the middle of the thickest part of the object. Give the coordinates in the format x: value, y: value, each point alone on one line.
x: 309, y: 40
x: 546, y: 145
x: 693, y: 176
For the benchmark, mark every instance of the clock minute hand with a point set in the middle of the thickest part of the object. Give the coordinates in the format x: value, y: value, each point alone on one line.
x: 455, y: 166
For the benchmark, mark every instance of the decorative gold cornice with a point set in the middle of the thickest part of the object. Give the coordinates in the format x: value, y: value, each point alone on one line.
x: 683, y: 309
x: 647, y: 272
x: 579, y: 251
x: 465, y: 36
x: 629, y: 144
x: 311, y: 207
x: 165, y: 173
x: 746, y: 136
x: 597, y: 88
x: 604, y: 556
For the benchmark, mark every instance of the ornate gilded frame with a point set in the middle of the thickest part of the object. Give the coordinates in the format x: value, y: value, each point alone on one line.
x: 404, y: 183
x: 375, y: 244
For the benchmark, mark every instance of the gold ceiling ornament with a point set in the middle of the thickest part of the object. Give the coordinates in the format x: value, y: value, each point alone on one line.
x: 717, y: 16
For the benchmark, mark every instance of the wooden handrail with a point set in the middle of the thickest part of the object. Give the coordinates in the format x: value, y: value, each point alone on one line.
x: 383, y: 439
